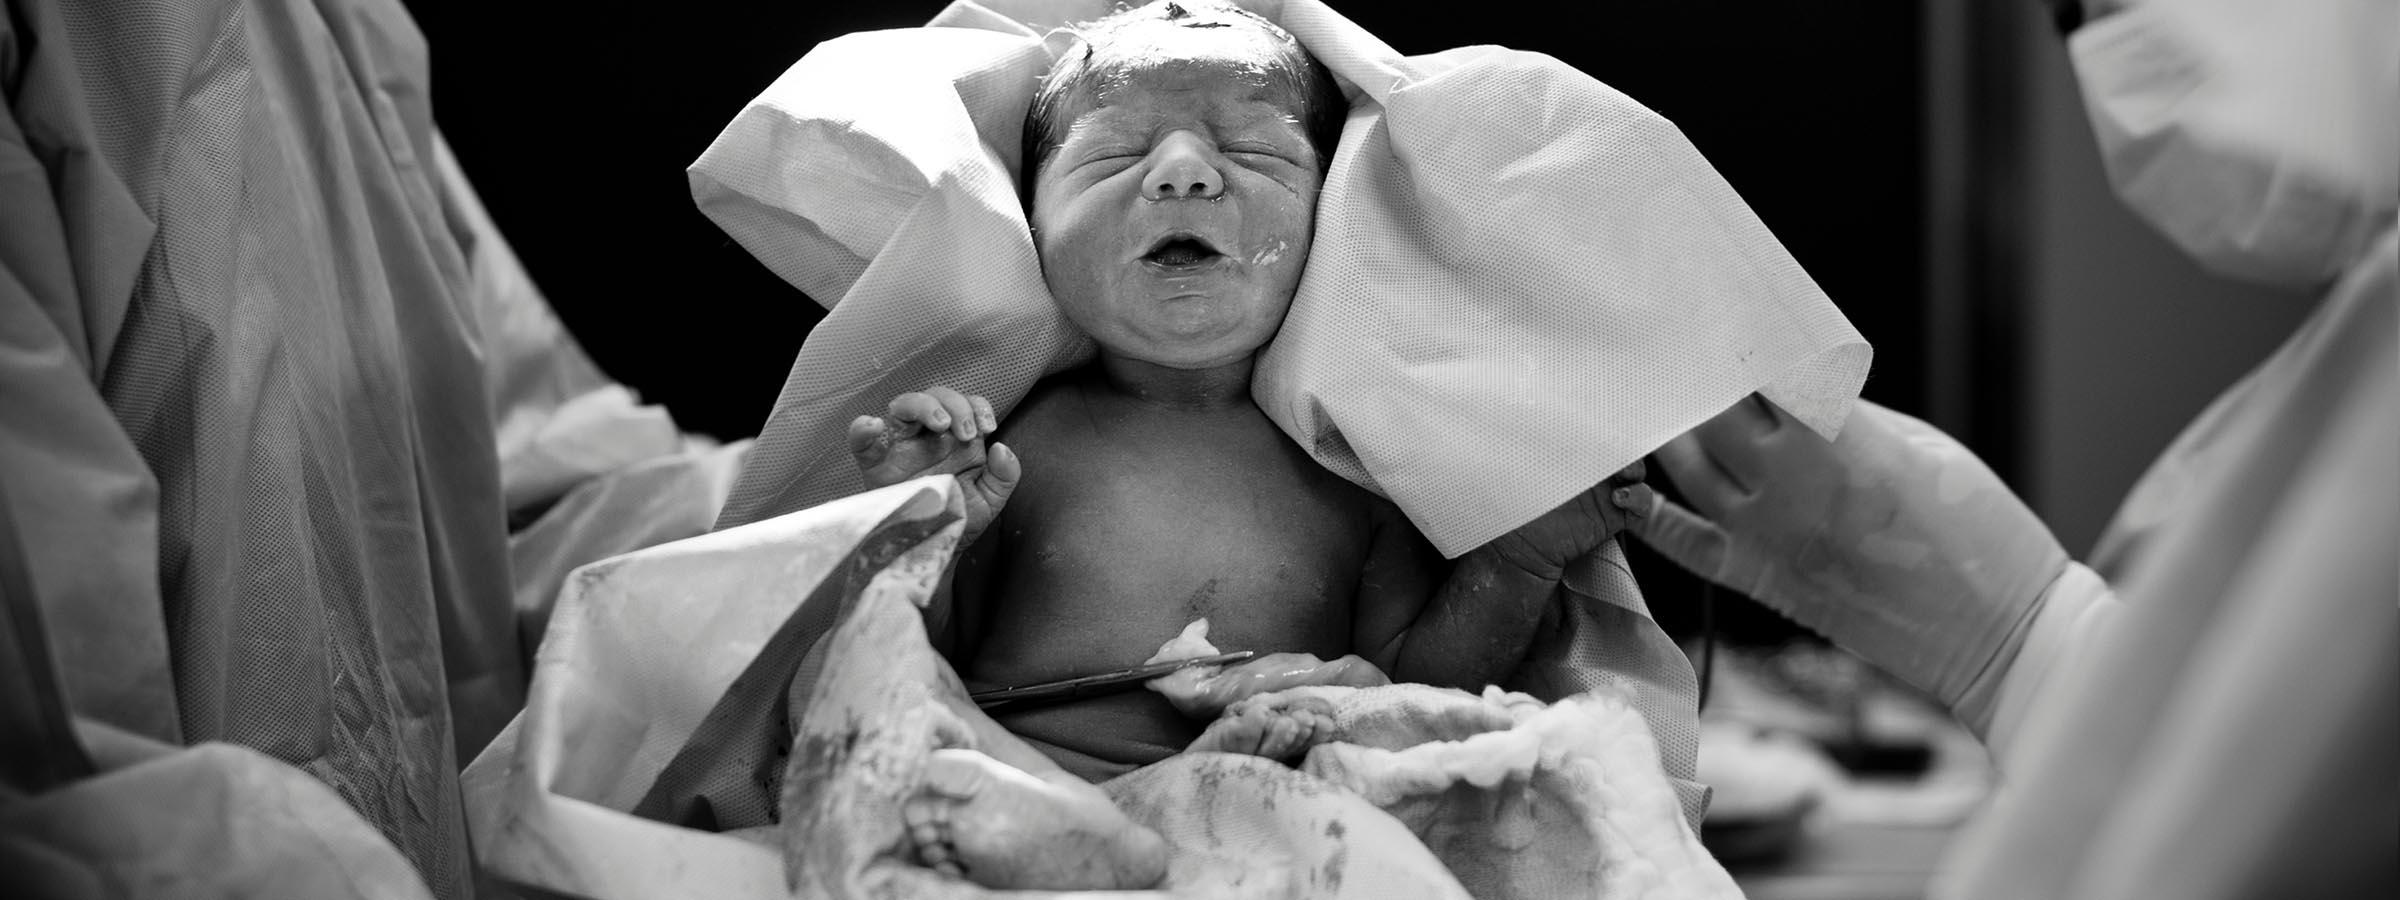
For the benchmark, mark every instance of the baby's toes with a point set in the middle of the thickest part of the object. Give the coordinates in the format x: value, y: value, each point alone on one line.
x: 1246, y: 735
x: 1316, y: 728
x: 928, y: 822
x: 953, y: 774
x: 1289, y: 738
x: 950, y: 731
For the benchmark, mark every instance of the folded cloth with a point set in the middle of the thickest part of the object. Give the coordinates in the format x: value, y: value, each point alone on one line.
x: 658, y: 657
x: 640, y: 651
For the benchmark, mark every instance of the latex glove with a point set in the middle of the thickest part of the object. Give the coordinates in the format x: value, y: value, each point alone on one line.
x: 1545, y: 546
x: 1894, y: 541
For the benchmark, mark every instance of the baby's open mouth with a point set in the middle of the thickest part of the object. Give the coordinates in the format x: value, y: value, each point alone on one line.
x: 1180, y: 251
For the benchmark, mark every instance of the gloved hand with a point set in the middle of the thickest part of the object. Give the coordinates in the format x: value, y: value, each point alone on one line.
x: 1893, y: 541
x: 1545, y: 546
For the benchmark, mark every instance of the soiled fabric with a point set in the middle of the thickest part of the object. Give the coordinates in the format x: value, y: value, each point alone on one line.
x: 1432, y: 794
x: 1496, y: 797
x: 640, y: 653
x: 1518, y: 798
x: 1474, y: 370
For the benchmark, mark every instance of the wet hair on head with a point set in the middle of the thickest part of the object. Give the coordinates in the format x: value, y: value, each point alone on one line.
x: 1322, y: 106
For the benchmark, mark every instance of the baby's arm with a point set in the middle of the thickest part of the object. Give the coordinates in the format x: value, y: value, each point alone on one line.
x: 1474, y: 626
x: 938, y: 431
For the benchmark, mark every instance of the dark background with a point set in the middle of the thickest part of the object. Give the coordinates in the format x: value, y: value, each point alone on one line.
x: 576, y: 123
x: 576, y: 126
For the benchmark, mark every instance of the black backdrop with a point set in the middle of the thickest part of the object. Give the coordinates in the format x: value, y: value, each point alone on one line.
x: 575, y: 121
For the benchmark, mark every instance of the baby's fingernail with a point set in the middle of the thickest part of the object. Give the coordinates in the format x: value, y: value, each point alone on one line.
x: 1623, y: 497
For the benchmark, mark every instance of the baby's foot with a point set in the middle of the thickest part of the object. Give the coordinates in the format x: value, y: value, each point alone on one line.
x: 1277, y: 726
x: 978, y: 818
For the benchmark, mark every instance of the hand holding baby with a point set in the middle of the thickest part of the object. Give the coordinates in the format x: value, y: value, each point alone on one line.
x: 1544, y: 546
x: 938, y: 431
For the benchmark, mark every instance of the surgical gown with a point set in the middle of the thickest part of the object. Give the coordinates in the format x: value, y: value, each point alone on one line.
x: 248, y: 405
x: 2227, y: 729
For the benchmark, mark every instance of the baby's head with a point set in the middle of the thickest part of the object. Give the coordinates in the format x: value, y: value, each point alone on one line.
x: 1174, y: 156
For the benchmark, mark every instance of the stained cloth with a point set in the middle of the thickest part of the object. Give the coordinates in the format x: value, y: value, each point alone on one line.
x: 878, y: 174
x: 1432, y: 793
x: 269, y: 382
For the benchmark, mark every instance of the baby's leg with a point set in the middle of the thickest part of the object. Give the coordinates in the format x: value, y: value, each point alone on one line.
x: 891, y: 759
x: 1008, y: 817
x: 1003, y: 827
x: 1279, y: 726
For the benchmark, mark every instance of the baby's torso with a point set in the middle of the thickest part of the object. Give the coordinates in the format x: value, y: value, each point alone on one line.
x: 1130, y: 522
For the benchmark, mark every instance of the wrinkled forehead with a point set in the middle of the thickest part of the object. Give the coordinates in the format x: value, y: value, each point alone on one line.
x: 1176, y: 66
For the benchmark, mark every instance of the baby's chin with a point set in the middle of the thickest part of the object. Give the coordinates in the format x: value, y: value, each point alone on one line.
x: 1187, y: 345
x: 1190, y: 356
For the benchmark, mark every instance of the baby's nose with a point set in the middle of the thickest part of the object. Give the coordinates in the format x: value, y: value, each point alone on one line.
x: 1182, y: 167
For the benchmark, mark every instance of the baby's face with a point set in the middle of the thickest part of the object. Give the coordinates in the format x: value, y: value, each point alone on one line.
x: 1173, y: 221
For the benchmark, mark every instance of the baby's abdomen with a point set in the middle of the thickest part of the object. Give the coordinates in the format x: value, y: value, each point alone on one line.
x: 1100, y: 738
x: 1096, y: 583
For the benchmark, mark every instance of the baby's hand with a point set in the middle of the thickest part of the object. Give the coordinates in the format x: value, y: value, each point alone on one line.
x: 1544, y: 546
x: 1208, y: 690
x: 933, y: 432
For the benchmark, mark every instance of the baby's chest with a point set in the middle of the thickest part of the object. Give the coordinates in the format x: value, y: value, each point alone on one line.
x: 1249, y: 549
x: 1202, y: 505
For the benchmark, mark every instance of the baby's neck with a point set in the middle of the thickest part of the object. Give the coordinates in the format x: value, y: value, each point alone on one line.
x: 1209, y: 388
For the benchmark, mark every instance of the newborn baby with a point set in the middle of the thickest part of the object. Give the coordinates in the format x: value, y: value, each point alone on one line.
x: 1174, y: 158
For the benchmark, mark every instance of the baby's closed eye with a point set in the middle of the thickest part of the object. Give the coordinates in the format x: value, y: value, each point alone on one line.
x: 1255, y: 153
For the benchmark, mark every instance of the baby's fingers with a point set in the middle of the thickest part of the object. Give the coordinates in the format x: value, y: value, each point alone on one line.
x: 942, y: 409
x: 964, y: 424
x: 1628, y: 498
x: 984, y: 416
x: 914, y: 410
x: 1001, y: 470
x: 989, y: 486
x: 866, y: 442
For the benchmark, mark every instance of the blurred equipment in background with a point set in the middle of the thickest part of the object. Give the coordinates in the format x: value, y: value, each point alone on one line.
x: 2227, y: 730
